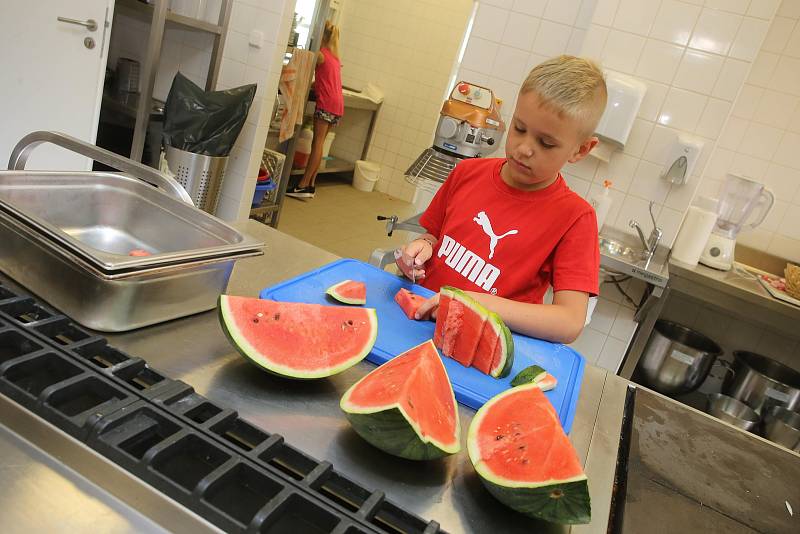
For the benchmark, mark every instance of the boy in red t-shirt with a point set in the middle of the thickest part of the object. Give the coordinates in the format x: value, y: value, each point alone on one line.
x: 504, y: 229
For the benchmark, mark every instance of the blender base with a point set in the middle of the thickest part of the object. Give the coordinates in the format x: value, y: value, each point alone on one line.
x: 718, y: 252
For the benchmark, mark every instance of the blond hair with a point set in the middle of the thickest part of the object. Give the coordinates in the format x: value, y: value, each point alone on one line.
x: 570, y: 86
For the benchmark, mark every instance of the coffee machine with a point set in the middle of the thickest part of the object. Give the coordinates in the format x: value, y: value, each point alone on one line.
x: 739, y: 199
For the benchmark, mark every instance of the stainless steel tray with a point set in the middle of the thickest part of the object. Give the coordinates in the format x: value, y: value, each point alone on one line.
x: 110, y: 303
x: 102, y: 216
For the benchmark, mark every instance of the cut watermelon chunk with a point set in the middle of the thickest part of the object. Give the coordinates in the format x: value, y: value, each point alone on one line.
x: 535, y: 375
x: 298, y: 340
x: 525, y: 460
x: 349, y: 292
x: 409, y: 302
x: 406, y: 406
x: 472, y: 335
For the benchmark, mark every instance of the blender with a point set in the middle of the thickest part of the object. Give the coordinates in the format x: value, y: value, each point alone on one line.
x: 738, y: 199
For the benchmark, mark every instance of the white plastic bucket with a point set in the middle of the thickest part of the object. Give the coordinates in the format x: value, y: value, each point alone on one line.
x: 365, y: 175
x: 326, y: 146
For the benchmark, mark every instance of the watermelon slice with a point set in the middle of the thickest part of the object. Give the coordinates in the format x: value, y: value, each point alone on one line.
x: 349, y: 292
x: 535, y: 375
x: 409, y: 302
x: 525, y: 460
x: 406, y: 406
x: 472, y: 335
x: 298, y: 340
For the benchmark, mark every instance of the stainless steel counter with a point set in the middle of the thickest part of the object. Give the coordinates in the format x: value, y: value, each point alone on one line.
x: 307, y: 413
x: 734, y: 292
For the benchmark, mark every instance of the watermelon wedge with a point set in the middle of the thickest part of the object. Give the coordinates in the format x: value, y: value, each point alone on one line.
x: 472, y: 335
x: 525, y: 460
x: 409, y: 302
x: 298, y: 340
x: 535, y: 375
x: 406, y: 406
x: 349, y: 292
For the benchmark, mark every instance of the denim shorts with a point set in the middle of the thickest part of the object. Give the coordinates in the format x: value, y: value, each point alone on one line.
x: 330, y: 118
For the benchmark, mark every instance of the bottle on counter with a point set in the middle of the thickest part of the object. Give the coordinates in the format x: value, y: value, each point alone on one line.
x: 696, y: 228
x: 601, y: 203
x: 303, y: 148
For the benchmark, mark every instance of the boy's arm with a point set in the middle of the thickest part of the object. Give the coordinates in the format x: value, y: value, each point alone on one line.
x: 562, y: 321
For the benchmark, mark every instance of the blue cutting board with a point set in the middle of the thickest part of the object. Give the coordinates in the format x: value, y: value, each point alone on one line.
x: 397, y: 333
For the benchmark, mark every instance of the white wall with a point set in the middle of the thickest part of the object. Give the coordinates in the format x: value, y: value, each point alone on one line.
x: 408, y: 50
x: 762, y: 138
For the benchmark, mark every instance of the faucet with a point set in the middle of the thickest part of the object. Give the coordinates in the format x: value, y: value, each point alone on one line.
x: 651, y: 242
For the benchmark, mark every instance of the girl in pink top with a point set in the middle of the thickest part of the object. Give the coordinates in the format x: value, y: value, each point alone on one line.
x: 330, y: 106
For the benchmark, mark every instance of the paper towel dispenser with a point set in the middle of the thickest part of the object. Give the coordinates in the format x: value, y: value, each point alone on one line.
x: 625, y: 95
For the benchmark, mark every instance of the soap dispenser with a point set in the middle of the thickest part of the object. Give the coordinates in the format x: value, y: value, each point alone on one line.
x: 602, y: 204
x: 681, y: 160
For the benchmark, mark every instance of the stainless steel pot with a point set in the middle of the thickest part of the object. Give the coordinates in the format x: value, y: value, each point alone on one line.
x: 732, y: 411
x: 782, y: 426
x: 677, y: 359
x: 762, y: 383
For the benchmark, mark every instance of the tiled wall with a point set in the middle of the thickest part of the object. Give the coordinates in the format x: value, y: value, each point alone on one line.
x: 408, y: 50
x: 762, y: 138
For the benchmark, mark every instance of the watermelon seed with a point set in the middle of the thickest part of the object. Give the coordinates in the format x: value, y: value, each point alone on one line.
x: 499, y: 437
x: 349, y: 322
x: 521, y: 447
x: 556, y: 494
x: 255, y: 320
x: 277, y: 316
x: 525, y: 461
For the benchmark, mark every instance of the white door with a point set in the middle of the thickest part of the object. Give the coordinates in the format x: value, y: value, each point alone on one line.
x: 51, y: 79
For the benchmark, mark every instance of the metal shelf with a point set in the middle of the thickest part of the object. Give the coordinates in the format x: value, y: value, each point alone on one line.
x: 146, y: 11
x: 332, y: 165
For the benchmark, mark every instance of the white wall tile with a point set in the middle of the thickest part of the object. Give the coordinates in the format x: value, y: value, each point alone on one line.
x: 715, y: 31
x: 530, y: 7
x: 636, y: 16
x: 760, y: 141
x: 749, y: 38
x: 730, y: 79
x: 653, y: 99
x: 764, y: 9
x: 698, y: 71
x: 660, y: 144
x: 605, y: 11
x: 778, y: 35
x: 788, y: 150
x: 659, y: 61
x: 733, y: 133
x: 603, y: 316
x: 713, y: 118
x: 624, y: 325
x: 774, y: 217
x: 620, y: 170
x: 479, y: 54
x: 579, y: 185
x: 594, y: 42
x: 589, y: 344
x: 763, y: 68
x: 552, y: 38
x: 648, y: 184
x: 783, y: 181
x: 612, y: 354
x: 747, y: 103
x: 512, y: 67
x: 490, y: 22
x: 637, y: 139
x: 682, y: 109
x: 734, y: 6
x: 786, y: 77
x: 675, y: 21
x: 563, y: 11
x: 622, y: 51
x: 521, y: 31
x: 575, y: 44
x: 785, y: 247
x: 789, y: 8
x: 750, y: 166
x: 793, y: 43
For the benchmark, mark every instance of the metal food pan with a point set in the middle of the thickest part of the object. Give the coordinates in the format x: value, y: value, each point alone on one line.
x: 109, y: 303
x: 103, y: 217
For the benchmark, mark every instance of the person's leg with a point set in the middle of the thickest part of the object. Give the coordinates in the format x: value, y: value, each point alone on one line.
x: 315, y: 158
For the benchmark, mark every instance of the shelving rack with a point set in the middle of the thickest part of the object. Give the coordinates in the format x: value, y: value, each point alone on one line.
x: 159, y: 16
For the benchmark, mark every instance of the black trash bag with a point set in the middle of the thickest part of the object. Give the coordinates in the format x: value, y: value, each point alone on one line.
x: 205, y: 122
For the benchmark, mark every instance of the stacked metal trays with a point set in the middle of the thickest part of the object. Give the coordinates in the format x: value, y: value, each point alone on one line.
x: 203, y: 455
x: 67, y: 236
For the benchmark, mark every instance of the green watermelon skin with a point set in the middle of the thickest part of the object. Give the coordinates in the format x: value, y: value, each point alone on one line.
x: 390, y: 432
x: 566, y: 503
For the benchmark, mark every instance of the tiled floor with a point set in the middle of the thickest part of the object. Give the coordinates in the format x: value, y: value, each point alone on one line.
x: 342, y: 220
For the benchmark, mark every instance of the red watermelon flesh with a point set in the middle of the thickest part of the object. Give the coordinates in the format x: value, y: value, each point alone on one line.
x: 486, y: 351
x: 519, y: 449
x: 416, y: 384
x: 409, y: 302
x: 349, y: 292
x: 298, y: 340
x: 445, y: 296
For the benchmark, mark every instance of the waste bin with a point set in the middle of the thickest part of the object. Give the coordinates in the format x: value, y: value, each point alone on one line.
x: 200, y: 175
x: 365, y: 175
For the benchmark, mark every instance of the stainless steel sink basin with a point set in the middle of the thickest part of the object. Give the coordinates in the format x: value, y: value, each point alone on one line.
x: 622, y: 253
x: 612, y: 247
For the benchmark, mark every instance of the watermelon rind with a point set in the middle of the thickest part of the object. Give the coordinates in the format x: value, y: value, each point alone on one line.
x: 389, y: 428
x: 503, y: 367
x: 333, y: 293
x: 531, y: 374
x: 262, y: 361
x: 564, y: 501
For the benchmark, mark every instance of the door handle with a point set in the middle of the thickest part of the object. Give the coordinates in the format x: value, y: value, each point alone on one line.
x: 89, y: 24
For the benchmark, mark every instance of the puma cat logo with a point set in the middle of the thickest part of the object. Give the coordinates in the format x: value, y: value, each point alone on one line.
x: 483, y: 221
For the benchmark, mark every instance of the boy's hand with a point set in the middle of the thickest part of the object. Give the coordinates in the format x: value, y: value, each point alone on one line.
x: 412, y: 258
x: 428, y: 309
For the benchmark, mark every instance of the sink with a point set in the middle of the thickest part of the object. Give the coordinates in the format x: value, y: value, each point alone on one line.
x: 623, y: 253
x: 612, y: 247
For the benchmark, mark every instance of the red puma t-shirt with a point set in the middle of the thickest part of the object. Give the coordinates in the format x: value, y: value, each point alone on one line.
x: 501, y: 240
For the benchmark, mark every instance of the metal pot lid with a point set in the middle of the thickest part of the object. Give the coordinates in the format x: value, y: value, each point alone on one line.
x: 60, y: 207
